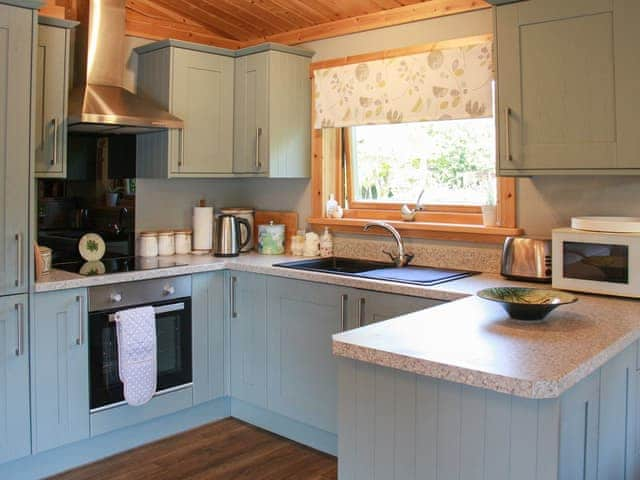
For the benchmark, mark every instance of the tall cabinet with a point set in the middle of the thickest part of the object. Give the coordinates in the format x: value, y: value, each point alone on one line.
x: 567, y: 87
x: 17, y: 40
x: 52, y: 93
x: 17, y: 35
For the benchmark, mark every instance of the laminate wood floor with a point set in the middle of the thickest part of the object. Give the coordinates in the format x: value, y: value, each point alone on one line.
x: 225, y: 450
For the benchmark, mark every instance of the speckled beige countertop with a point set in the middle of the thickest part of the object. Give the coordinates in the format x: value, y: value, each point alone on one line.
x: 468, y: 340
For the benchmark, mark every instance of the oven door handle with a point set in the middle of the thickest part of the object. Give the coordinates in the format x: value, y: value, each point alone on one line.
x: 174, y: 307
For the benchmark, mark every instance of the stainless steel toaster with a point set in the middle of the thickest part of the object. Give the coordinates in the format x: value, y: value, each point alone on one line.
x: 527, y: 258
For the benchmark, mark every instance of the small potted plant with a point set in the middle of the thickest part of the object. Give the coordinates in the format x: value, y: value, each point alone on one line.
x: 111, y: 196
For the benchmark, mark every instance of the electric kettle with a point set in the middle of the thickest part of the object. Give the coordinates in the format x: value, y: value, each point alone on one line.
x: 228, y: 237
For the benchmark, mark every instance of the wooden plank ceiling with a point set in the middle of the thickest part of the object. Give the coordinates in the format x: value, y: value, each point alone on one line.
x: 240, y: 23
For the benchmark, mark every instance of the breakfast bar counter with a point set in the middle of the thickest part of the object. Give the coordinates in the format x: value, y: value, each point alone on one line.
x: 462, y: 391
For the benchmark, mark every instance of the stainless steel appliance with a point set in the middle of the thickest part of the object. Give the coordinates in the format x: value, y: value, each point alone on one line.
x: 597, y: 262
x: 527, y: 258
x: 99, y: 102
x: 228, y: 236
x: 249, y: 215
x: 171, y: 299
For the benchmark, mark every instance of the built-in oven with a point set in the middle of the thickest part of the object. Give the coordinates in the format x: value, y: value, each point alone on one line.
x: 171, y: 300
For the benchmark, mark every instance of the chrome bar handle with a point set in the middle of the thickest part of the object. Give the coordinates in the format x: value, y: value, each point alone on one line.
x: 54, y: 154
x: 232, y: 293
x: 20, y: 319
x: 507, y: 133
x: 258, y: 135
x: 361, y: 306
x: 80, y: 339
x: 181, y: 159
x: 19, y: 259
x: 343, y: 311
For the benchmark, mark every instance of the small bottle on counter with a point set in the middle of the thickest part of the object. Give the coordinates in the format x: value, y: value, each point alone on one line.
x: 183, y: 241
x: 332, y: 206
x: 297, y: 243
x: 326, y: 243
x: 166, y: 243
x: 311, y: 245
x: 148, y: 244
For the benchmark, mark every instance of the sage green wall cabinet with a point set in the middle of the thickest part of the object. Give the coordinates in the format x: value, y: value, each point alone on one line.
x: 17, y: 29
x: 248, y: 337
x: 15, y: 434
x: 194, y: 83
x: 208, y: 333
x: 272, y: 132
x: 52, y: 93
x: 59, y: 369
x: 567, y: 81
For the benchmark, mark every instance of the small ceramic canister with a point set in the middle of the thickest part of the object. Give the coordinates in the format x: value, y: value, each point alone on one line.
x: 311, y: 245
x: 148, y: 244
x: 166, y: 243
x: 183, y: 242
x: 271, y: 239
x: 45, y: 256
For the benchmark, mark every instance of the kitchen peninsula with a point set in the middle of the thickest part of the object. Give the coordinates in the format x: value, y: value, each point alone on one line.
x: 462, y: 391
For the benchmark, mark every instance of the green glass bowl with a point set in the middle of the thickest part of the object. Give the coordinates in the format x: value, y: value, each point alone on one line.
x: 527, y: 304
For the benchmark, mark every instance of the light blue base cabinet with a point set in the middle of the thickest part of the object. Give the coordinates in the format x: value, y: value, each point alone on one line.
x: 15, y: 434
x: 208, y: 333
x: 248, y: 325
x: 397, y: 425
x: 59, y: 369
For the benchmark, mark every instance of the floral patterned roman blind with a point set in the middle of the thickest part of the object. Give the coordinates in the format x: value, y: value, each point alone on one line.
x: 445, y: 84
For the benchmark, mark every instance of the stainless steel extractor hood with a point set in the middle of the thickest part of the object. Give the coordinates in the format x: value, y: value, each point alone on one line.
x: 98, y: 101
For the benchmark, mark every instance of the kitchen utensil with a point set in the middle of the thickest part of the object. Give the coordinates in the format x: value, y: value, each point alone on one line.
x: 271, y: 239
x: 527, y: 258
x: 228, y: 236
x: 288, y: 219
x: 528, y: 304
x: 249, y: 215
x: 607, y: 224
x: 91, y: 247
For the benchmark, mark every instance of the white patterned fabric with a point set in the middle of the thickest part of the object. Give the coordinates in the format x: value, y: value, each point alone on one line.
x: 137, y: 353
x: 447, y: 84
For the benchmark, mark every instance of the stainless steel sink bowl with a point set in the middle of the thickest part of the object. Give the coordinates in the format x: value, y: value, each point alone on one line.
x: 425, y: 276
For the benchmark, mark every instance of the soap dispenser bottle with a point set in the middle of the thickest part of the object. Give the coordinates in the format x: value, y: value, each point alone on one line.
x: 326, y: 243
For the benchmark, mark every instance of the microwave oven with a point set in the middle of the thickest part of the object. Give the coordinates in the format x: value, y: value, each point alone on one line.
x: 596, y: 262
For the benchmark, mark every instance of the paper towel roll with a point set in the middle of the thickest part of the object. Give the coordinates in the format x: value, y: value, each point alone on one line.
x: 202, y: 228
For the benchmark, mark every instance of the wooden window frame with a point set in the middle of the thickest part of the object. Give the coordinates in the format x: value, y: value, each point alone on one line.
x: 440, y: 222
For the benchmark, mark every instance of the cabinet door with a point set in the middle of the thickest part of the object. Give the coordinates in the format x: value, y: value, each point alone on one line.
x: 373, y: 307
x: 60, y: 369
x: 302, y: 371
x: 556, y: 86
x: 15, y: 433
x: 247, y: 315
x: 627, y: 39
x: 251, y: 134
x: 207, y: 316
x: 16, y: 34
x: 52, y: 84
x: 202, y: 96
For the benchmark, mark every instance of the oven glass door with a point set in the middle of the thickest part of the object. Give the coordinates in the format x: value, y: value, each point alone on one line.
x: 173, y: 332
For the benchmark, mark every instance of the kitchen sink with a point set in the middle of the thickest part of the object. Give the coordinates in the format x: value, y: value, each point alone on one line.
x: 425, y: 276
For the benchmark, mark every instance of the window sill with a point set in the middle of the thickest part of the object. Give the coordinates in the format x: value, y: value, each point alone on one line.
x: 428, y: 230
